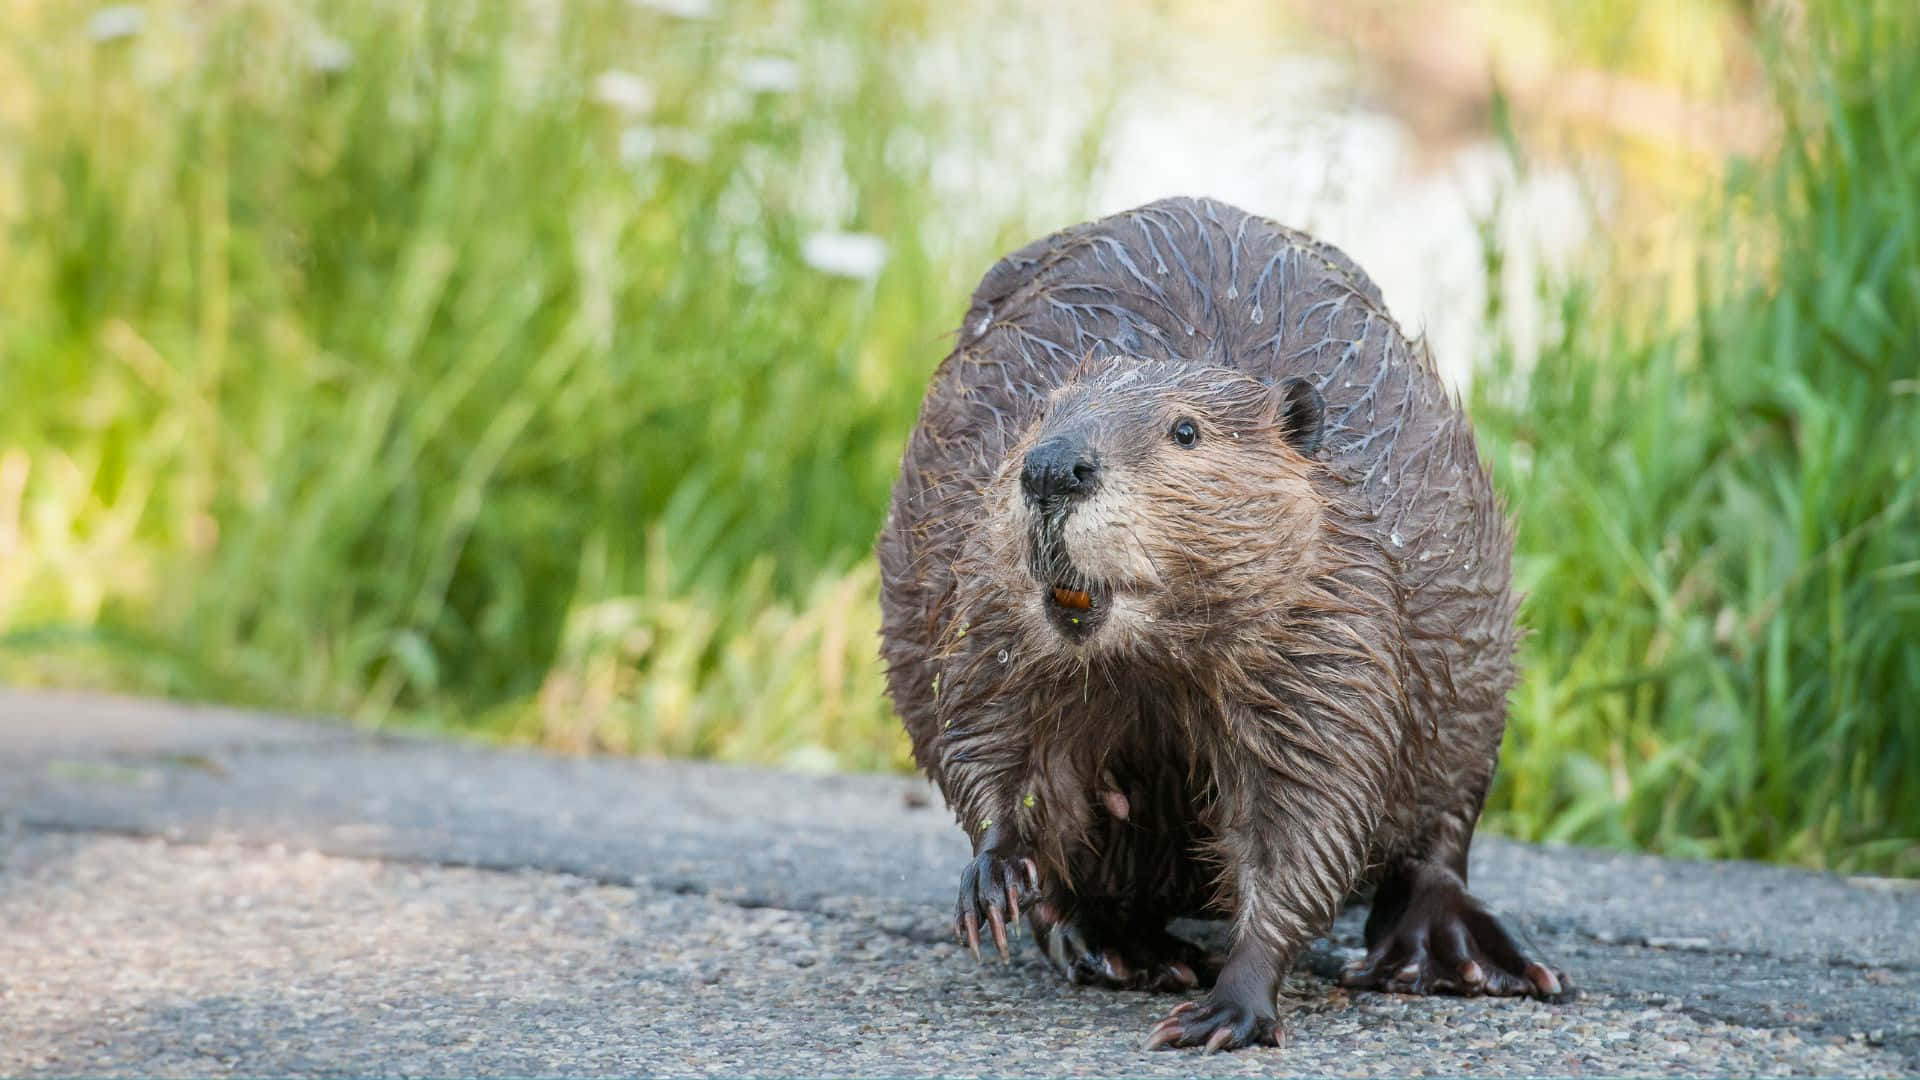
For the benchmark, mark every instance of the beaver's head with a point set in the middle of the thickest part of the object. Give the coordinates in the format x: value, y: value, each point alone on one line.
x: 1156, y: 501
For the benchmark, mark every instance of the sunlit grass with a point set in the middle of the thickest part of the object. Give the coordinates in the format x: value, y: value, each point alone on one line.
x: 1720, y: 514
x: 361, y: 343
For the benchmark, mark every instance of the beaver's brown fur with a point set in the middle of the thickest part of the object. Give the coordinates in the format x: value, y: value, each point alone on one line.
x: 1197, y: 598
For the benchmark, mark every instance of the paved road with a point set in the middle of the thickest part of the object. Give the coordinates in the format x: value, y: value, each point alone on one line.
x: 197, y: 891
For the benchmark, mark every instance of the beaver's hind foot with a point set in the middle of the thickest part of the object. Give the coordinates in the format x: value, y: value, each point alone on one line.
x: 1427, y: 935
x: 1088, y: 949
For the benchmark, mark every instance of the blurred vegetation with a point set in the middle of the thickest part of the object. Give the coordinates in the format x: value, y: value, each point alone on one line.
x: 1717, y: 516
x: 370, y: 357
x: 510, y: 366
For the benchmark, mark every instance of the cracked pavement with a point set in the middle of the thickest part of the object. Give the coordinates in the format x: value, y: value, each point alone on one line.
x: 194, y: 891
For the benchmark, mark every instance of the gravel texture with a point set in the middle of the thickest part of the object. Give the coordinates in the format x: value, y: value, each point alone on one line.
x: 195, y: 892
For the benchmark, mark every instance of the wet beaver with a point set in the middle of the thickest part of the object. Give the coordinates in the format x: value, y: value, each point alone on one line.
x: 1196, y: 600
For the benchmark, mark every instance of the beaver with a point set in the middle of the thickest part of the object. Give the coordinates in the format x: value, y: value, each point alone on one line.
x: 1196, y: 600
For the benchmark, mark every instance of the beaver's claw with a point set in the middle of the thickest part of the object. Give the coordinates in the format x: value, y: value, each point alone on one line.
x: 991, y: 890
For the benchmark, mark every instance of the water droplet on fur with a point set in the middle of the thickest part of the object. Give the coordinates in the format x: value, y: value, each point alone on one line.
x: 1160, y: 266
x: 1256, y: 315
x: 1233, y: 292
x: 1189, y: 329
x: 1003, y: 656
x: 1395, y: 537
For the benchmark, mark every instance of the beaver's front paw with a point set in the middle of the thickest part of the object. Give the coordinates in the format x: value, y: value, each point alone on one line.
x: 1217, y: 1024
x: 992, y: 888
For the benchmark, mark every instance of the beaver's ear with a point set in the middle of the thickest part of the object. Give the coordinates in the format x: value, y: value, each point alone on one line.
x: 1303, y: 414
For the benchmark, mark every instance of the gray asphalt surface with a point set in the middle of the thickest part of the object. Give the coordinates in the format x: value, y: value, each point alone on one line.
x: 197, y: 891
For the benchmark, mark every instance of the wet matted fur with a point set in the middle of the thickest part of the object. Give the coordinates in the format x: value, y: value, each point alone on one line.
x: 1196, y: 599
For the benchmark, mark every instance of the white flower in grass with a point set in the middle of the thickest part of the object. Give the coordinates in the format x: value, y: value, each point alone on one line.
x: 850, y: 255
x: 682, y: 9
x: 116, y: 22
x: 329, y: 55
x: 640, y: 142
x: 769, y: 74
x: 623, y: 90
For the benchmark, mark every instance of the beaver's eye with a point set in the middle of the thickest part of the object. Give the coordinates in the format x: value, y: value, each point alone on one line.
x: 1186, y: 433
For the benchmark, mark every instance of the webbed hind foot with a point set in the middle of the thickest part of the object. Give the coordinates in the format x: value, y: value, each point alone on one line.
x: 1427, y: 935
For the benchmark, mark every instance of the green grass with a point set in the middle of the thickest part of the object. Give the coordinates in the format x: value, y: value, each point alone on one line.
x: 368, y: 389
x: 1717, y: 513
x: 435, y: 386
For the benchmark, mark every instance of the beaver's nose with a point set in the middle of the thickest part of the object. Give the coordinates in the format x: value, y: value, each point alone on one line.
x: 1060, y: 468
